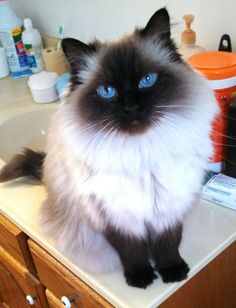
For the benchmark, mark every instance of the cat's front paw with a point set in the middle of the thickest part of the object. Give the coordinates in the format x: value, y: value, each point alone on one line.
x: 175, y: 272
x: 140, y: 276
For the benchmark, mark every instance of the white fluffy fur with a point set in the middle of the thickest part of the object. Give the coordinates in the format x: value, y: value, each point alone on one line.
x: 125, y: 181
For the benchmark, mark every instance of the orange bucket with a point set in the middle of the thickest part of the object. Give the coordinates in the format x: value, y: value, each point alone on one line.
x: 220, y: 68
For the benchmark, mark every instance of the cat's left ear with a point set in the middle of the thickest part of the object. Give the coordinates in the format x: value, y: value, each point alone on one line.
x: 158, y: 25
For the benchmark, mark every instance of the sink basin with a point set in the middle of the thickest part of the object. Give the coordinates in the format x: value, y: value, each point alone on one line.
x: 25, y: 129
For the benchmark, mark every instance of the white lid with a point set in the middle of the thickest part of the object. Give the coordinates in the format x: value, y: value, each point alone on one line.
x: 42, y: 80
x: 28, y: 23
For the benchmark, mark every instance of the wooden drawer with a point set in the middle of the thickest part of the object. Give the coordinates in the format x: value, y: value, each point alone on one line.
x: 14, y: 241
x: 53, y: 301
x: 59, y: 281
x: 16, y: 282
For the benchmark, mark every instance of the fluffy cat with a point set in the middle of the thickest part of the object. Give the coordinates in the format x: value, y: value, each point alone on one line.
x: 126, y: 155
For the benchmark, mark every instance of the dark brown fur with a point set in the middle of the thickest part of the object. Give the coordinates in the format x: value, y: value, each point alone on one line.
x: 28, y: 163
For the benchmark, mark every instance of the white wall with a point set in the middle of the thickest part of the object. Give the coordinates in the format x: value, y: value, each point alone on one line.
x: 108, y: 19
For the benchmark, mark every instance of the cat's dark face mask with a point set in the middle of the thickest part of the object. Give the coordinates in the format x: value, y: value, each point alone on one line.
x: 119, y: 85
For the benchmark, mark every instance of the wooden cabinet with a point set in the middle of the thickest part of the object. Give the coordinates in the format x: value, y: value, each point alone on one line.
x: 17, y: 285
x: 11, y: 293
x: 61, y: 283
x: 14, y: 241
x: 42, y: 278
x: 53, y: 301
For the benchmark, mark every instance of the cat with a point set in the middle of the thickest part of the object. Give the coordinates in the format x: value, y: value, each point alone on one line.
x: 126, y: 155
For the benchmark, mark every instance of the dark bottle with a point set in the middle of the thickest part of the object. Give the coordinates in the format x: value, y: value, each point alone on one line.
x: 225, y: 43
x: 230, y: 148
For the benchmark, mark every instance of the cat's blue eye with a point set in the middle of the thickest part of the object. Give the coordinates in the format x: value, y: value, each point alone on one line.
x: 106, y: 92
x: 147, y: 80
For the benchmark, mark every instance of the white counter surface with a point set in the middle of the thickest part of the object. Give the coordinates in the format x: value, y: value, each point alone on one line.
x: 208, y: 230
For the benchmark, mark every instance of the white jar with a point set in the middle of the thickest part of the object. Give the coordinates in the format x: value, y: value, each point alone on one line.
x: 43, y: 87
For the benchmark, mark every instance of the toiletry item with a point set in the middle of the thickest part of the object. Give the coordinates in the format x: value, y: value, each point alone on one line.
x: 43, y: 87
x: 63, y: 85
x: 33, y: 46
x: 54, y: 60
x: 10, y: 36
x: 225, y: 43
x: 230, y: 150
x: 4, y: 70
x: 188, y: 45
x: 220, y: 68
x: 221, y: 189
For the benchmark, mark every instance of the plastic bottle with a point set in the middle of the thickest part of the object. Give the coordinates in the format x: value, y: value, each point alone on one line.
x: 33, y: 46
x: 10, y: 36
x: 4, y: 69
x: 230, y: 149
x: 188, y: 45
x: 219, y: 67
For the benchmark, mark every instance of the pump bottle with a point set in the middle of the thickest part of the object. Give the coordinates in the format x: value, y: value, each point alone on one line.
x: 188, y: 45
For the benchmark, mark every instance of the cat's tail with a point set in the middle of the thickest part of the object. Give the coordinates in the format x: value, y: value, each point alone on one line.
x: 28, y: 163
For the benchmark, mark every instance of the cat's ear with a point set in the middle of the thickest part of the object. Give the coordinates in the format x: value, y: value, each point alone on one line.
x: 75, y: 51
x: 158, y: 25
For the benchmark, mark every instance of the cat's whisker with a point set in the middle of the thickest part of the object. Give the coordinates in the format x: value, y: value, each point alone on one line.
x: 93, y: 138
x: 192, y: 107
x: 228, y: 160
x: 211, y: 129
x: 170, y: 124
x: 87, y: 128
x: 103, y: 140
x: 111, y: 137
x: 178, y: 106
x: 197, y: 137
x: 228, y: 117
x: 99, y: 137
x: 183, y: 142
x: 224, y: 144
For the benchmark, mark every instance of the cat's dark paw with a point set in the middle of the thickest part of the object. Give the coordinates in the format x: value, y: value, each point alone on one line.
x: 173, y: 273
x: 140, y: 276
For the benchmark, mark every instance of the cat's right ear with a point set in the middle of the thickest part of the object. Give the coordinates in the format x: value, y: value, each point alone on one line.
x: 75, y: 52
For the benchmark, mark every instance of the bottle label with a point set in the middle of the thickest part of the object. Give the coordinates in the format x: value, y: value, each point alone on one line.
x: 30, y: 55
x: 34, y: 56
x: 14, y: 48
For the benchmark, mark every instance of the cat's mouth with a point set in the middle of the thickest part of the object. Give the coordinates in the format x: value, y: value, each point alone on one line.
x: 135, y: 126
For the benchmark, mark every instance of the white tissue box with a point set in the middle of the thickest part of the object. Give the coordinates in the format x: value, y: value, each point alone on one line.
x: 221, y: 189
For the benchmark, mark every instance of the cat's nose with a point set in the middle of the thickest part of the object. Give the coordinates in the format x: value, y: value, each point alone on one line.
x: 130, y: 109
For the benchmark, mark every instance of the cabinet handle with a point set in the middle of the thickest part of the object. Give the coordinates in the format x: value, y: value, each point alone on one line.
x: 30, y: 299
x: 66, y: 301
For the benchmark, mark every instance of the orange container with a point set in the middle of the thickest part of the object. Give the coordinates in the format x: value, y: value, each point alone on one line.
x: 220, y: 68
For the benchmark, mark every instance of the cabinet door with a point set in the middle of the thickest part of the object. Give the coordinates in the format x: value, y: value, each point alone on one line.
x: 17, y: 284
x: 11, y: 294
x: 14, y: 241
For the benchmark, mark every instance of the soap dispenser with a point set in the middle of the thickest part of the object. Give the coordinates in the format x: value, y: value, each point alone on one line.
x: 188, y: 45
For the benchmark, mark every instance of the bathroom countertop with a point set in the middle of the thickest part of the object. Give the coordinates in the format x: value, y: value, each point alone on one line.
x: 15, y: 97
x: 208, y: 230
